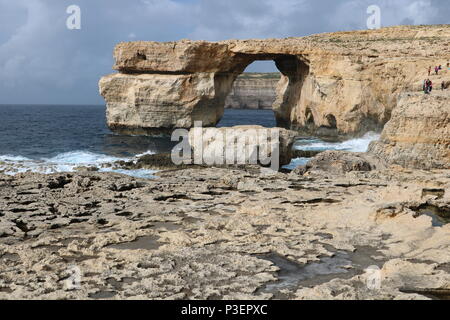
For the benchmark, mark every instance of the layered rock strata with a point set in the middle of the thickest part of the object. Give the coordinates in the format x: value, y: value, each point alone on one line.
x: 253, y: 91
x: 336, y: 83
x: 418, y: 134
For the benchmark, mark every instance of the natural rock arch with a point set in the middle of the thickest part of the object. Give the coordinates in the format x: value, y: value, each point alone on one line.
x: 355, y: 76
x: 159, y: 102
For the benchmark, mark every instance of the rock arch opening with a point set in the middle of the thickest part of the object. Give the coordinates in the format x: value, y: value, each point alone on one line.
x: 278, y: 90
x: 332, y: 122
x: 255, y: 88
x: 252, y: 96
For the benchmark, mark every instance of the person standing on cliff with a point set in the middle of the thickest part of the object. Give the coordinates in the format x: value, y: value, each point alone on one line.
x: 430, y: 86
x: 429, y: 71
x: 436, y: 69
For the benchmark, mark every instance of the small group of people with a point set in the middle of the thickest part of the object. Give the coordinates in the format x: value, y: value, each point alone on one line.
x: 427, y: 86
x: 436, y: 70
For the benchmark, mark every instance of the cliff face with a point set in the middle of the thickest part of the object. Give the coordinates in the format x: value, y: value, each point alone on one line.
x: 337, y: 83
x: 253, y: 91
x: 418, y: 134
x: 154, y: 103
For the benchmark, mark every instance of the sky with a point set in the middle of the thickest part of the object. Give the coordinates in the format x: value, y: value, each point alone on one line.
x: 43, y: 62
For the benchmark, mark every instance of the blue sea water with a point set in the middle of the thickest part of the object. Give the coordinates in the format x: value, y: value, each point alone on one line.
x: 58, y: 138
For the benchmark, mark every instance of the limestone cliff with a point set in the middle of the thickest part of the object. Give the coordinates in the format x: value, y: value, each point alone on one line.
x: 418, y: 134
x: 253, y: 91
x: 336, y: 83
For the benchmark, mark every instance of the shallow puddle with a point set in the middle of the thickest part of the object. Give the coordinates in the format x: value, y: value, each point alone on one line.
x: 439, y: 216
x: 118, y: 285
x: 10, y: 257
x: 169, y: 226
x: 342, y: 265
x: 145, y: 243
x: 103, y: 295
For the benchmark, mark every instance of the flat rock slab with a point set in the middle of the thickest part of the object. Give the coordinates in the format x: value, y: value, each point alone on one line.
x: 211, y: 233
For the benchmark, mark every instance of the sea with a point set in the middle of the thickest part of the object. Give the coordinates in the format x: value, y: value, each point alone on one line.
x: 60, y: 138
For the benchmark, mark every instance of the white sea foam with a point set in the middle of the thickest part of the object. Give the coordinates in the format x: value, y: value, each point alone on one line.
x: 296, y: 162
x: 68, y: 162
x: 145, y: 153
x: 82, y: 158
x: 10, y: 158
x: 353, y: 145
x: 140, y: 173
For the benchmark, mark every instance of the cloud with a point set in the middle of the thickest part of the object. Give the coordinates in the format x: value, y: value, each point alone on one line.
x: 41, y: 61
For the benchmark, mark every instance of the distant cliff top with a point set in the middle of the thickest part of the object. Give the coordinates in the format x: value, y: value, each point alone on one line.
x: 260, y: 75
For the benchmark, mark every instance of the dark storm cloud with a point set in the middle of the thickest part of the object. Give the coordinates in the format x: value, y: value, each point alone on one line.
x: 41, y: 61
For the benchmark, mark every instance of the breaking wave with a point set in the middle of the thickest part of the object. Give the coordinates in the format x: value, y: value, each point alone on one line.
x: 353, y: 145
x: 68, y: 162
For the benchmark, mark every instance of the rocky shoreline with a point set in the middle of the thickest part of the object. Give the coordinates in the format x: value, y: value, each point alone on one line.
x: 245, y: 232
x: 198, y: 232
x: 217, y: 233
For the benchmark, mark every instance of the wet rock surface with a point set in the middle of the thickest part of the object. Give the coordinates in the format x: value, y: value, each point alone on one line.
x: 340, y: 162
x: 215, y: 233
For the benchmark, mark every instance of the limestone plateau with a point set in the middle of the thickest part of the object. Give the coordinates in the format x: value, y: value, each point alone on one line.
x: 344, y: 83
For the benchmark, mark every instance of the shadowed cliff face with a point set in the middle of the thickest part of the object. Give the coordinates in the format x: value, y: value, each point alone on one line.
x: 340, y: 83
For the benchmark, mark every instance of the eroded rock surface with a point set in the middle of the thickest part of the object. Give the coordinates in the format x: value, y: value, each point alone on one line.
x: 221, y: 233
x: 336, y: 83
x: 339, y: 162
x: 418, y: 135
x: 157, y: 103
